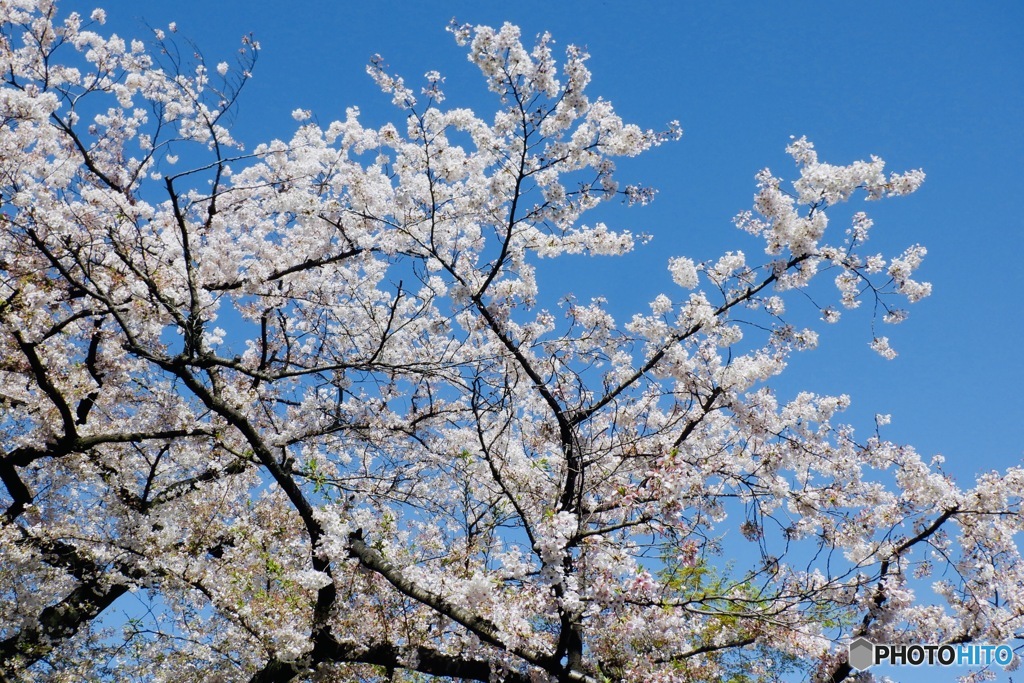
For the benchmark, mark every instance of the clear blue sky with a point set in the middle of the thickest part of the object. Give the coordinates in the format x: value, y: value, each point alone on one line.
x: 932, y: 85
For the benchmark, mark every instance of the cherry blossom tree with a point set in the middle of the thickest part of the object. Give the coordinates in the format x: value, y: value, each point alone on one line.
x: 307, y: 403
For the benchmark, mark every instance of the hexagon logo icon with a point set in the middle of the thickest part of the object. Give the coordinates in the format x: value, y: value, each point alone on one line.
x: 862, y: 654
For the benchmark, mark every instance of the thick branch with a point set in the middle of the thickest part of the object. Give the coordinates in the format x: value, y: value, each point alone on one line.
x: 57, y: 623
x: 422, y: 659
x: 481, y: 627
x: 61, y: 621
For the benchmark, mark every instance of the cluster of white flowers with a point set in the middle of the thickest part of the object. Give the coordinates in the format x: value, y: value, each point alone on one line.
x: 900, y: 269
x: 684, y: 272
